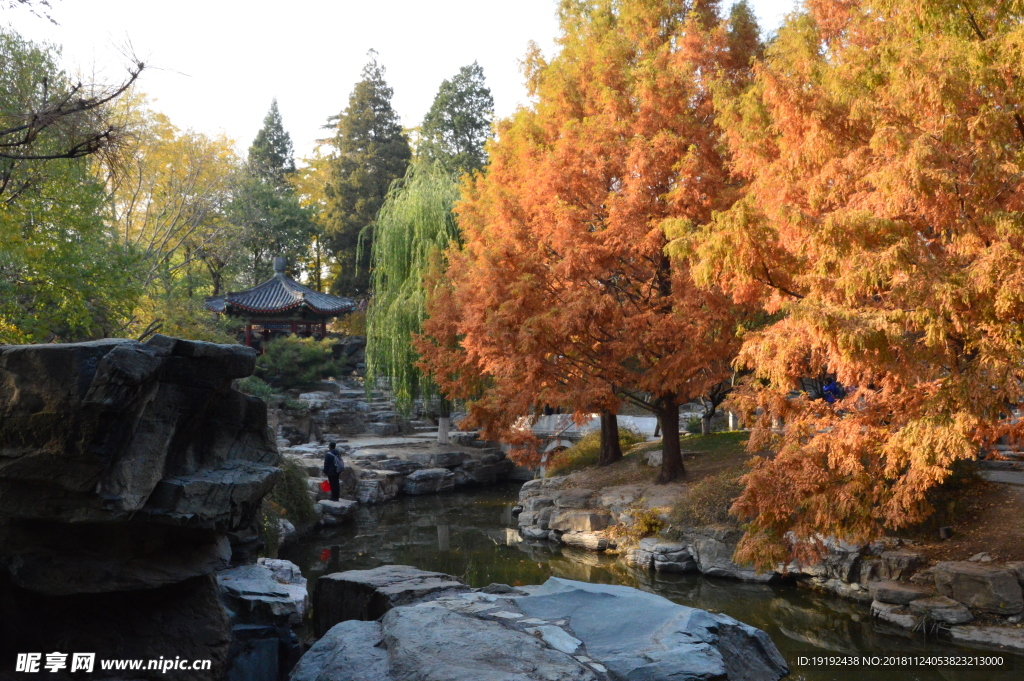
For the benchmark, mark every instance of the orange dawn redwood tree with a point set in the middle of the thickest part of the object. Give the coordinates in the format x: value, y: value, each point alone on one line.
x: 563, y: 292
x: 882, y: 143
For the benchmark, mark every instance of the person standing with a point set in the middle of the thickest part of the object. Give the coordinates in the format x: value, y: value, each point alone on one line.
x: 333, y: 465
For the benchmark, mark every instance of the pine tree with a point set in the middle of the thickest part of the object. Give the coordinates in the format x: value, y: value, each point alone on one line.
x: 266, y: 207
x: 371, y: 152
x: 270, y: 155
x: 459, y: 122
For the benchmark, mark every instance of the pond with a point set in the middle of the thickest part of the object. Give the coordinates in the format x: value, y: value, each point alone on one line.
x: 472, y: 535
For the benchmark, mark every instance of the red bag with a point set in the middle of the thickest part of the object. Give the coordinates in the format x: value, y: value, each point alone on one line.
x: 325, y: 485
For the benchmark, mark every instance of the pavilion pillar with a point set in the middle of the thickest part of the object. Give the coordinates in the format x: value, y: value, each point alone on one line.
x: 294, y: 330
x: 248, y: 334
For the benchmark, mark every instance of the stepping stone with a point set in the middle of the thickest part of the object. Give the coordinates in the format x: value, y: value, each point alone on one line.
x: 942, y: 609
x: 898, y: 593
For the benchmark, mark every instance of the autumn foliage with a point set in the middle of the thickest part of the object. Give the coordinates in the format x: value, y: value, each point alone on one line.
x: 881, y: 147
x: 563, y: 293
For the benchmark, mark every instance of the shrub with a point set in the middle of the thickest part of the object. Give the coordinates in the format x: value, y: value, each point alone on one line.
x: 267, y: 519
x: 292, y: 362
x: 352, y: 324
x: 647, y: 522
x: 587, y: 451
x: 291, y: 494
x: 707, y: 501
x: 257, y: 387
x: 693, y: 426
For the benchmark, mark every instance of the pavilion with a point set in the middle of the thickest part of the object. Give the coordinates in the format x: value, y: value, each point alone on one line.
x: 281, y: 306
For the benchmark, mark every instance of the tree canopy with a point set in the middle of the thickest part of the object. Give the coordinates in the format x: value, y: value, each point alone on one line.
x: 564, y: 291
x: 370, y: 151
x: 458, y: 123
x: 881, y: 144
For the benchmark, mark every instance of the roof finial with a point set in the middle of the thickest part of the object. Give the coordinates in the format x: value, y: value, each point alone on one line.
x: 280, y: 264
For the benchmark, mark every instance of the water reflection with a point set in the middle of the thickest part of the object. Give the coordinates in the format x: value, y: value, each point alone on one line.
x: 470, y: 534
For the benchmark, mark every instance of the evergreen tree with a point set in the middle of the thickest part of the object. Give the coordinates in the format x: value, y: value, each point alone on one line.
x: 266, y: 207
x: 371, y: 152
x: 459, y: 122
x: 270, y: 155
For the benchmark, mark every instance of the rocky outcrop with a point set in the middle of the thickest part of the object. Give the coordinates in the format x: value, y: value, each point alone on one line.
x: 368, y: 594
x: 429, y: 481
x: 986, y: 588
x: 124, y: 468
x: 561, y: 631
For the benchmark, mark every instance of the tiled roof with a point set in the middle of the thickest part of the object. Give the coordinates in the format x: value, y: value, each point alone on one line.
x: 280, y: 294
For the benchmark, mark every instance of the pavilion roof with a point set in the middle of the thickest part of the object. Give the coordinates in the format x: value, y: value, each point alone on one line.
x: 281, y: 293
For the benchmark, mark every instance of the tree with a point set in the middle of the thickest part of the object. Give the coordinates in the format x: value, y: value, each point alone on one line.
x: 459, y: 123
x: 370, y: 152
x: 414, y: 227
x: 564, y: 286
x: 265, y: 205
x: 46, y: 115
x: 882, y: 225
x: 271, y: 156
x: 61, y: 275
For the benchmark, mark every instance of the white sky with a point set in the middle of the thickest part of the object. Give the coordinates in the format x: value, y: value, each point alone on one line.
x: 217, y: 64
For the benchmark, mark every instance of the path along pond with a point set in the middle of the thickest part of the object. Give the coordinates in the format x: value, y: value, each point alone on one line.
x: 472, y: 535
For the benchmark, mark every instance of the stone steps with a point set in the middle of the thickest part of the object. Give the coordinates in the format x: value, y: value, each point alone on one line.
x: 997, y: 465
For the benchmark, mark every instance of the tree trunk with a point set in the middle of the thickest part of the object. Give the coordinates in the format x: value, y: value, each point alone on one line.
x: 705, y: 423
x: 732, y: 420
x: 671, y: 455
x: 610, y: 449
x: 444, y: 421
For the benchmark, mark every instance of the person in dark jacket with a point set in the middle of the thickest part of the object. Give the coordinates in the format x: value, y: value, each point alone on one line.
x: 333, y: 465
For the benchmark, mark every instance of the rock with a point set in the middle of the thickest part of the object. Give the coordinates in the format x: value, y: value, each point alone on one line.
x: 534, y: 504
x: 286, y: 532
x: 383, y: 429
x: 96, y: 431
x: 347, y: 652
x: 257, y: 596
x: 429, y: 481
x: 574, y: 498
x: 333, y: 512
x: 941, y: 609
x: 980, y: 558
x: 992, y: 638
x: 183, y: 620
x: 644, y: 636
x: 898, y: 592
x: 892, y: 613
x: 368, y: 594
x: 591, y: 541
x: 565, y: 631
x: 579, y: 521
x: 653, y: 458
x: 533, y: 532
x: 899, y: 564
x: 448, y: 459
x: 1017, y: 568
x: 712, y: 548
x: 478, y: 473
x: 62, y: 559
x: 376, y: 487
x: 556, y: 638
x: 661, y: 556
x: 400, y: 466
x: 987, y: 588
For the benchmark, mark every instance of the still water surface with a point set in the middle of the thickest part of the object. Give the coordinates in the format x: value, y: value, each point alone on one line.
x: 472, y: 535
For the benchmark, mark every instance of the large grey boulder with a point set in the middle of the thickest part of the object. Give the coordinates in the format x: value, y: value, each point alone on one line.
x: 377, y: 487
x: 270, y: 592
x: 988, y: 588
x: 941, y: 609
x: 899, y: 593
x: 578, y: 521
x: 368, y: 594
x: 563, y: 631
x: 106, y: 430
x: 712, y: 548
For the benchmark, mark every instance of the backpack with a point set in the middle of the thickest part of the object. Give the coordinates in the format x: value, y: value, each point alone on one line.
x: 331, y: 462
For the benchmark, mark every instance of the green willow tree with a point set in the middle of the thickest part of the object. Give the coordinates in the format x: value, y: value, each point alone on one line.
x: 371, y: 151
x: 458, y: 124
x: 414, y: 227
